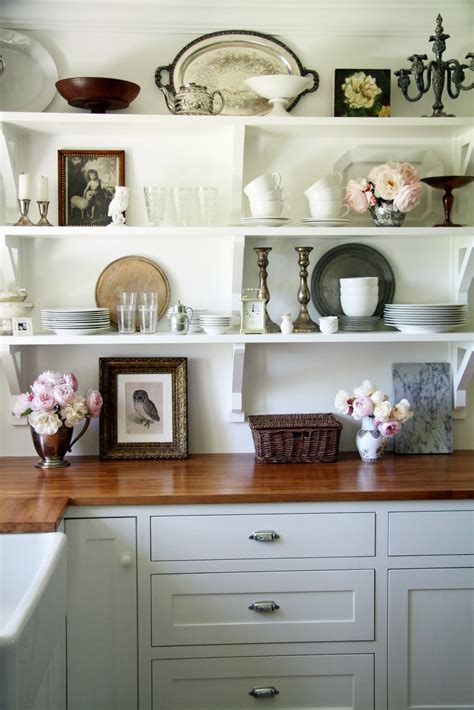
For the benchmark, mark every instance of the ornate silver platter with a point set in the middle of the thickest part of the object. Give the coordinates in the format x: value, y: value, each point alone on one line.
x: 222, y: 60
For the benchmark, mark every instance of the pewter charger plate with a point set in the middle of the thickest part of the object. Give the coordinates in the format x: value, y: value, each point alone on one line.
x: 349, y: 261
x: 222, y: 60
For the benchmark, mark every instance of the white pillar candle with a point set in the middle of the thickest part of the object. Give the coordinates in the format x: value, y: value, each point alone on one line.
x: 24, y: 187
x: 42, y: 189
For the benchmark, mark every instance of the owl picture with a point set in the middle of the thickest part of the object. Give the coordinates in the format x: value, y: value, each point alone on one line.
x: 145, y: 408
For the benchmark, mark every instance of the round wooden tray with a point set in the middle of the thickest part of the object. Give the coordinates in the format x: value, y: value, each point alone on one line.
x: 131, y: 273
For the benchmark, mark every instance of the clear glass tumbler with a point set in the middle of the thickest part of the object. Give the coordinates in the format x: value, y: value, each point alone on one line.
x: 128, y: 298
x: 183, y: 203
x: 206, y: 198
x: 155, y: 201
x: 126, y: 318
x: 148, y: 318
x: 149, y: 298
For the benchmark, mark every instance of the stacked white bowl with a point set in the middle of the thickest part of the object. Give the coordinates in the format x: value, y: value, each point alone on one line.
x: 359, y: 295
x: 325, y: 198
x: 215, y: 323
x: 265, y: 196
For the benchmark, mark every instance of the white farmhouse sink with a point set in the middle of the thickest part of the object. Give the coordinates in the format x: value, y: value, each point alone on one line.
x: 32, y: 612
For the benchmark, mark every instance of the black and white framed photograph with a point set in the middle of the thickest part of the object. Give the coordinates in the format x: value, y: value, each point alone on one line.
x: 86, y: 183
x: 144, y: 415
x: 22, y: 326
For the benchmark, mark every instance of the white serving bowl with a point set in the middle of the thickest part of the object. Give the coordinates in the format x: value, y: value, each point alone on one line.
x: 360, y: 305
x: 278, y: 89
x: 15, y: 309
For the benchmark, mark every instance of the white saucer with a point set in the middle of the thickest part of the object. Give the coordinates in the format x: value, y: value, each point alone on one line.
x: 265, y: 221
x: 337, y: 222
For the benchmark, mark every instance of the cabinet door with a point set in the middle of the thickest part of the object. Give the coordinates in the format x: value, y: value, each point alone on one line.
x: 431, y: 639
x: 102, y: 614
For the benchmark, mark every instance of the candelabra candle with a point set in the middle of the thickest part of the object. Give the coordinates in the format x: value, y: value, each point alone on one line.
x: 24, y: 221
x: 43, y: 206
x: 304, y: 324
x: 263, y: 292
x: 438, y: 73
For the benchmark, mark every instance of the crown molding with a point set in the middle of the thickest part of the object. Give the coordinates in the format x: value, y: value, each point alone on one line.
x: 285, y: 17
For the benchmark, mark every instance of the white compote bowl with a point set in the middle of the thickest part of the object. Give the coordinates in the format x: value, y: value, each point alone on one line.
x: 279, y: 89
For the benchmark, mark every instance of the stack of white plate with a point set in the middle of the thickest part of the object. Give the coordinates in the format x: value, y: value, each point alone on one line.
x: 358, y: 324
x: 215, y: 324
x: 75, y: 321
x: 425, y: 317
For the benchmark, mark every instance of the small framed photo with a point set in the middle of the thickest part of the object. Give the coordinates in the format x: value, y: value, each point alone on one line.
x: 362, y: 92
x: 144, y: 415
x: 22, y: 326
x: 86, y: 183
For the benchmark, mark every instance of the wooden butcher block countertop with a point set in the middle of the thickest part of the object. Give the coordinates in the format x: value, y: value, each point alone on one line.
x: 35, y: 500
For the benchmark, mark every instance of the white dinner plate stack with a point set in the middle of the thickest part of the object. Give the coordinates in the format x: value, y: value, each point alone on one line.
x: 215, y: 324
x: 75, y: 321
x: 425, y: 317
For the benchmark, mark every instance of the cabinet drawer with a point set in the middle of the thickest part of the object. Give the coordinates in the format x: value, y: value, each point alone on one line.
x: 443, y: 532
x: 219, y: 537
x: 300, y: 682
x: 335, y: 605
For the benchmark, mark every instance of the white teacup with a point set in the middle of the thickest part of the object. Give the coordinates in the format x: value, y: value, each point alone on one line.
x: 276, y: 194
x: 266, y: 208
x: 329, y: 324
x: 263, y: 183
x: 328, y: 181
x: 330, y: 193
x: 328, y: 209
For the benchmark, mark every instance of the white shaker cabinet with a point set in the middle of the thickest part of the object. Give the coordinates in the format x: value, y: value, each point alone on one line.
x: 431, y: 639
x: 102, y: 614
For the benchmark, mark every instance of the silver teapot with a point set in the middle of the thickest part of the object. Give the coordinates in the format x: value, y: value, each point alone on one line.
x: 192, y: 99
x: 179, y: 318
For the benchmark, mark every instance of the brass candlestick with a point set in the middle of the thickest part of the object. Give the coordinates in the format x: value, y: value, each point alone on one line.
x: 304, y: 324
x: 24, y: 221
x: 43, y: 210
x: 263, y: 292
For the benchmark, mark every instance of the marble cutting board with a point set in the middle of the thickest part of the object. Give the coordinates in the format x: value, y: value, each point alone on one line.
x: 428, y: 387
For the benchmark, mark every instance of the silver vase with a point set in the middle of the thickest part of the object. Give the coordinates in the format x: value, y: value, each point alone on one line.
x: 52, y: 448
x: 385, y: 215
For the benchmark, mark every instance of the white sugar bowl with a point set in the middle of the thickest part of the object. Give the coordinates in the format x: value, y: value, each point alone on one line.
x: 329, y: 324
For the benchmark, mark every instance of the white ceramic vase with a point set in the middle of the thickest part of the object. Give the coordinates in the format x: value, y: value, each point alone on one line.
x: 286, y: 325
x: 370, y: 442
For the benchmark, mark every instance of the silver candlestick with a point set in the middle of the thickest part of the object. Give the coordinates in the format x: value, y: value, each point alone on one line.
x: 304, y: 324
x: 43, y: 206
x: 263, y: 292
x: 24, y: 206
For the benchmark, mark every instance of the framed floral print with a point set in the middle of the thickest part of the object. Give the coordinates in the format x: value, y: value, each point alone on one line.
x: 144, y: 415
x: 362, y: 92
x: 86, y: 183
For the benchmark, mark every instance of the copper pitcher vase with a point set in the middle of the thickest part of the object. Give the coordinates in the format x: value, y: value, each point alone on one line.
x: 52, y: 448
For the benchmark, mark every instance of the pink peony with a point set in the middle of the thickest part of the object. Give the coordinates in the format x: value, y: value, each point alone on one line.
x: 94, y: 403
x: 363, y: 407
x: 48, y: 378
x: 356, y: 196
x: 38, y: 387
x: 409, y: 174
x: 390, y: 428
x: 71, y: 380
x: 64, y: 394
x: 44, y: 402
x: 408, y: 197
x: 387, y: 184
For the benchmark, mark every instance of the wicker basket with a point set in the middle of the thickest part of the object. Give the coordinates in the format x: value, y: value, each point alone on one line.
x: 295, y: 438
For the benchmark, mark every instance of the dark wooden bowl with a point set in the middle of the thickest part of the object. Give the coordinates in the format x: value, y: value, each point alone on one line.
x: 98, y: 94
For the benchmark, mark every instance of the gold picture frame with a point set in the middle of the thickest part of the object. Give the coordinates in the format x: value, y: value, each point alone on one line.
x: 144, y: 415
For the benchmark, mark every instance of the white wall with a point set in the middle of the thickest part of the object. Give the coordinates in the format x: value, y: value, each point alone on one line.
x: 285, y: 378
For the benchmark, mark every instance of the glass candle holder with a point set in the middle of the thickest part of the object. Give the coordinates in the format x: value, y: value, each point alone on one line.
x: 206, y: 198
x: 155, y: 201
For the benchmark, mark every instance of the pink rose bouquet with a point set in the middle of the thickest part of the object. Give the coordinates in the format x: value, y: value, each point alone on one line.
x: 368, y: 401
x: 394, y: 183
x: 53, y: 402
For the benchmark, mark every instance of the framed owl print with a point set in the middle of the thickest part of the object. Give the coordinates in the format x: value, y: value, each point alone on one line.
x: 144, y: 415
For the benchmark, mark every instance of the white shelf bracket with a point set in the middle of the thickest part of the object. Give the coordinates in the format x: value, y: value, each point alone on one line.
x: 463, y: 370
x: 465, y: 273
x: 237, y: 413
x: 13, y: 359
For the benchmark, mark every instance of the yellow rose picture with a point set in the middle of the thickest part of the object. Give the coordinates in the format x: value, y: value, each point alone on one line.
x: 362, y: 92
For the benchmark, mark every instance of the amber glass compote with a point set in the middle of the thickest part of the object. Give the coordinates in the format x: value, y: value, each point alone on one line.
x: 448, y: 183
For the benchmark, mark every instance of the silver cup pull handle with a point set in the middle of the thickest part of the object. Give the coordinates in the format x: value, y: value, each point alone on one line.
x: 269, y: 692
x: 264, y: 607
x: 264, y: 535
